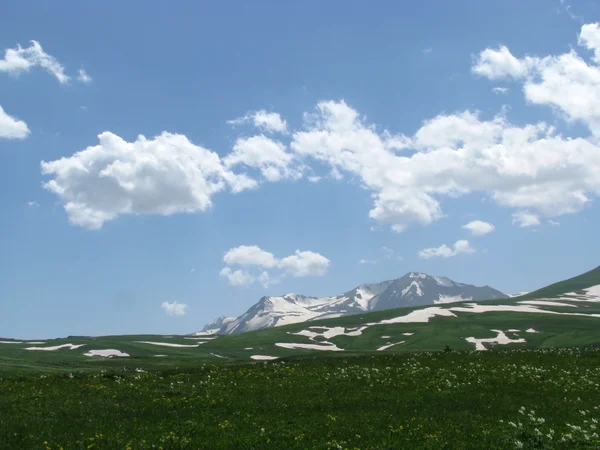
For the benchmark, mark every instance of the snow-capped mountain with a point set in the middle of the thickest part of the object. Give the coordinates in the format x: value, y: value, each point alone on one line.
x: 214, y: 326
x: 413, y: 289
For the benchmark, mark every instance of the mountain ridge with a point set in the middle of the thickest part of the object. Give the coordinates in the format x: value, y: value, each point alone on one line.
x: 412, y: 289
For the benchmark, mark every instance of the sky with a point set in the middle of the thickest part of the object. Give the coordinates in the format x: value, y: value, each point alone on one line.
x: 166, y: 163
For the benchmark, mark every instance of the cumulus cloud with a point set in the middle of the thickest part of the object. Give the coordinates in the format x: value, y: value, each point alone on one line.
x: 174, y: 309
x: 266, y: 154
x: 12, y: 128
x: 164, y: 175
x: 566, y: 82
x: 497, y: 64
x: 305, y: 263
x: 526, y: 166
x: 525, y: 219
x: 18, y: 60
x: 500, y: 90
x: 479, y: 227
x: 366, y: 261
x: 268, y: 121
x: 444, y: 251
x: 252, y: 257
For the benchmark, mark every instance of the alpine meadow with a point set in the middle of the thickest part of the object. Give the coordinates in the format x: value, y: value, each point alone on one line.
x: 300, y: 225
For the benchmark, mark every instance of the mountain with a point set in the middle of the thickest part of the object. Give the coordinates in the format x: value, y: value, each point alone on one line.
x: 413, y: 289
x: 214, y: 326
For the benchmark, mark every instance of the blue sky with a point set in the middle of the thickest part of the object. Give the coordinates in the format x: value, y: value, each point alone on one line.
x: 393, y: 107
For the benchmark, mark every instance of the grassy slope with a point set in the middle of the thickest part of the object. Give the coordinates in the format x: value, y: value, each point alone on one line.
x: 583, y: 281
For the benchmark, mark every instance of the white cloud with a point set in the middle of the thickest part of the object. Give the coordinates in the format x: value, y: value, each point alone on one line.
x: 299, y: 264
x: 590, y: 38
x: 367, y: 261
x: 524, y: 167
x: 237, y: 277
x: 250, y: 255
x: 267, y: 121
x: 565, y: 82
x: 305, y: 263
x: 479, y: 227
x: 83, y: 77
x: 33, y: 204
x: 174, y: 309
x: 12, y: 128
x: 445, y: 251
x: 18, y: 60
x: 553, y: 223
x: 500, y: 90
x: 499, y: 64
x: 314, y: 179
x: 164, y: 175
x: 428, y: 50
x: 266, y: 154
x: 525, y: 219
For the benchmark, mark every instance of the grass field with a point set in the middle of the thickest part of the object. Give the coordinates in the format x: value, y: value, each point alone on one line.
x: 547, y: 398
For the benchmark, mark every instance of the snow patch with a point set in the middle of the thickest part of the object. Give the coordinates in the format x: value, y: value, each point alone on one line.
x: 443, y: 281
x: 408, y: 334
x: 109, y: 353
x: 531, y: 330
x: 545, y: 303
x: 417, y: 275
x: 327, y: 346
x: 168, y: 344
x: 385, y: 347
x: 219, y: 356
x: 56, y: 347
x: 412, y: 284
x: 386, y: 337
x: 207, y: 332
x: 501, y: 339
x: 451, y: 299
x: 329, y: 333
x: 14, y: 342
x: 263, y: 357
x: 418, y: 316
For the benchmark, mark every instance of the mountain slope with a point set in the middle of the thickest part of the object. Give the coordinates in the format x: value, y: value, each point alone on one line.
x: 413, y: 289
x: 575, y: 284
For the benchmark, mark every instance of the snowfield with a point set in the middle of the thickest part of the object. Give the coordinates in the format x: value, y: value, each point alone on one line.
x: 501, y: 339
